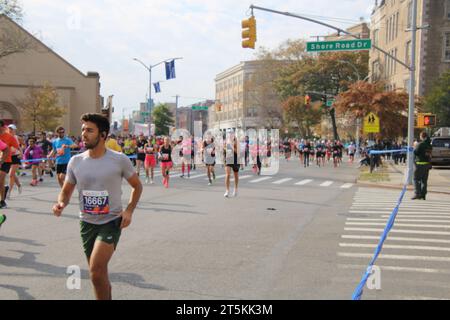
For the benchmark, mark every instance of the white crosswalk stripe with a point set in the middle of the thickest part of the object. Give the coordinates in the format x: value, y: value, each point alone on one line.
x: 304, y: 182
x: 260, y: 179
x: 420, y: 235
x: 282, y: 181
x: 327, y: 183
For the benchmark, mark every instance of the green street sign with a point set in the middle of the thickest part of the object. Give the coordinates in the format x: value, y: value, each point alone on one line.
x: 330, y: 103
x: 199, y: 108
x: 145, y: 113
x: 342, y: 45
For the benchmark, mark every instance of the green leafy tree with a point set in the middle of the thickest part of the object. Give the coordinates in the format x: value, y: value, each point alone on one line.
x: 438, y: 100
x: 301, y: 116
x: 12, y: 9
x: 41, y: 109
x: 163, y: 119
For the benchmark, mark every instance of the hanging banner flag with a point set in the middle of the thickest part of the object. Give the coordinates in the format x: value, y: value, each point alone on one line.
x: 157, y: 87
x: 170, y: 70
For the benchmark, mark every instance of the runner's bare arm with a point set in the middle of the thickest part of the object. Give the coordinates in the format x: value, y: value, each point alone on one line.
x: 63, y: 198
x: 136, y: 192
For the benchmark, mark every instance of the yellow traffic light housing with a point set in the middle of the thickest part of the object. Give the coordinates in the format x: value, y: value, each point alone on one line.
x: 249, y: 33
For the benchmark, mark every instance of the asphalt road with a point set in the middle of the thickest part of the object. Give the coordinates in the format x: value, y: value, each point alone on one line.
x: 281, y: 238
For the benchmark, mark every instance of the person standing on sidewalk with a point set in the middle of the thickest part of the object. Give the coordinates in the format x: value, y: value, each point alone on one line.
x: 422, y: 154
x: 97, y: 173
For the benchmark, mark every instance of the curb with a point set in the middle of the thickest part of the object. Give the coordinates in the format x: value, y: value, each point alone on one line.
x: 396, y: 187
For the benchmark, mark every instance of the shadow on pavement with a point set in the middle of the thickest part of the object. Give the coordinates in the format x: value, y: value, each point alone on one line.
x: 23, y: 241
x: 21, y: 292
x: 28, y: 261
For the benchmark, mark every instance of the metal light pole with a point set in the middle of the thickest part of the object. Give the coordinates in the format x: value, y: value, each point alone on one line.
x: 412, y: 88
x: 149, y: 68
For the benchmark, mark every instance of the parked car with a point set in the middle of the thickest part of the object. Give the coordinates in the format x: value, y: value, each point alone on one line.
x: 441, y: 151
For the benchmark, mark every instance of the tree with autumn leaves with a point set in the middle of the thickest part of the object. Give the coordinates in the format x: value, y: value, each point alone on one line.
x: 390, y: 106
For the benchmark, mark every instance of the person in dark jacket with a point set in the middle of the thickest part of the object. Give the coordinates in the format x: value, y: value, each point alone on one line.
x: 422, y: 154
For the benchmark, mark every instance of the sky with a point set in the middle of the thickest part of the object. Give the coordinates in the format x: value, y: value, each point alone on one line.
x: 105, y: 35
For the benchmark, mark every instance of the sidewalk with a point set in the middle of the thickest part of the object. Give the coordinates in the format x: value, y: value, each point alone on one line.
x: 438, y: 180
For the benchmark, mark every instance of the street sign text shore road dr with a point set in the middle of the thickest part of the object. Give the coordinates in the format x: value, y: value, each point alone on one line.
x: 342, y: 45
x: 199, y: 108
x: 371, y: 123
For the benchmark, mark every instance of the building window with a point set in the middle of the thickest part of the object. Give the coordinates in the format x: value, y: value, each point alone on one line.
x: 447, y: 9
x: 396, y: 25
x: 410, y: 12
x: 375, y: 36
x: 447, y: 47
x: 408, y: 53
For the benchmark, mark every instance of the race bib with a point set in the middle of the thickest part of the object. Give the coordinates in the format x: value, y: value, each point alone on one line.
x: 165, y: 156
x: 60, y: 151
x: 140, y: 150
x: 95, y: 202
x: 149, y: 149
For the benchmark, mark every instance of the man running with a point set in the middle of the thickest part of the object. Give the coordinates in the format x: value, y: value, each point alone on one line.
x: 61, y: 148
x: 12, y: 143
x: 98, y: 174
x: 46, y: 148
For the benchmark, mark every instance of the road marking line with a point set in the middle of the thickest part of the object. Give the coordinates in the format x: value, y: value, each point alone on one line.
x: 347, y: 186
x: 303, y: 182
x: 441, y: 233
x: 392, y: 268
x: 399, y: 225
x: 197, y: 176
x: 392, y: 246
x: 394, y: 257
x: 260, y: 179
x: 395, y: 239
x: 327, y: 183
x: 245, y: 177
x: 398, y: 220
x: 437, y: 216
x: 388, y: 212
x: 282, y: 181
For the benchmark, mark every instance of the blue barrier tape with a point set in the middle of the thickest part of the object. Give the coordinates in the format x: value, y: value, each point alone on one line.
x: 45, y: 159
x: 387, y: 151
x: 359, y: 289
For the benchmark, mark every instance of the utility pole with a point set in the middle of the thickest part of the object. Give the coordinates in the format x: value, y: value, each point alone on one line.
x: 412, y: 89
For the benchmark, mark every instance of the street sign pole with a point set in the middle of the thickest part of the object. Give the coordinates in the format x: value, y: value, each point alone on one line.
x: 412, y: 88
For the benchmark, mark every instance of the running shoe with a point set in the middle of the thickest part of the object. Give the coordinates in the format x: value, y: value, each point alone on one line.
x: 147, y: 180
x: 235, y: 193
x: 2, y: 219
x: 3, y: 204
x: 226, y: 194
x: 151, y: 181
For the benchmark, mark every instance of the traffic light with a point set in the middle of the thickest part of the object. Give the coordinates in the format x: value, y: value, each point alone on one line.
x: 249, y: 33
x: 429, y: 120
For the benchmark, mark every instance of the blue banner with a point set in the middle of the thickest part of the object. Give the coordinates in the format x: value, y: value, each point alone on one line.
x: 170, y: 70
x: 157, y: 87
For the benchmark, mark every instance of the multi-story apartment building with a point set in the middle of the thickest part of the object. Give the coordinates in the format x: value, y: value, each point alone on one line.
x: 237, y: 103
x: 390, y: 25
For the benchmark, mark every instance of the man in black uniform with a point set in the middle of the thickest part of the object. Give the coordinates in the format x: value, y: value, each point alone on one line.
x: 423, y: 165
